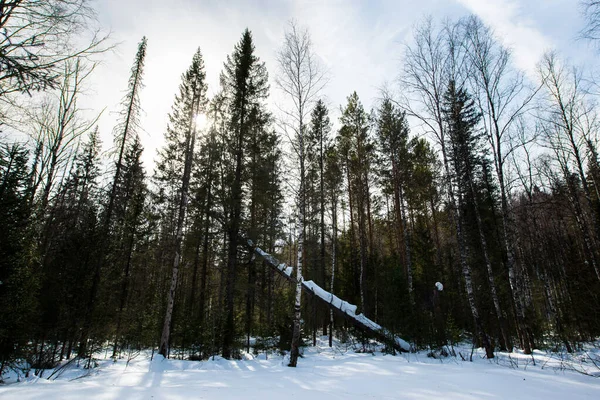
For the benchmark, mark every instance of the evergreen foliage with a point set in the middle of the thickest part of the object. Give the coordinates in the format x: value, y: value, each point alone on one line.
x: 383, y: 213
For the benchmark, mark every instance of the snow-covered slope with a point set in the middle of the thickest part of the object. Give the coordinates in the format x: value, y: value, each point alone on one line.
x: 323, y: 373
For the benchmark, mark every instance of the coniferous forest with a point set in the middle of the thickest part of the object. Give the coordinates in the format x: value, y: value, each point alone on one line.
x: 464, y: 206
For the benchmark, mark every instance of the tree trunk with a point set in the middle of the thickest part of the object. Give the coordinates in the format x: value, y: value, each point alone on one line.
x: 183, y: 200
x: 124, y: 291
x: 506, y: 342
x: 407, y: 249
x: 295, y: 350
x: 333, y: 261
x: 463, y: 250
x: 232, y: 237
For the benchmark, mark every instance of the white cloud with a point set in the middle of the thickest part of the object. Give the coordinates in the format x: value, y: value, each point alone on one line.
x: 359, y: 42
x: 515, y: 29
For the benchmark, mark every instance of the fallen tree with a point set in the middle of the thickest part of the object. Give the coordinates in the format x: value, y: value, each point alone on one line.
x: 341, y: 307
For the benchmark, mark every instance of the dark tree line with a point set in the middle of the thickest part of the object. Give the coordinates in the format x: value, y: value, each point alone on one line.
x: 498, y: 200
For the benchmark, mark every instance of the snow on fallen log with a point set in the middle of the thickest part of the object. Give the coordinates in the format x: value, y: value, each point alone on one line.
x: 341, y: 306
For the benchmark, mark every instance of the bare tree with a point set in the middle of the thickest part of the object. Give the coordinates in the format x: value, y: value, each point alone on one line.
x: 569, y: 124
x: 591, y: 13
x: 57, y: 126
x: 502, y: 97
x: 300, y: 79
x: 434, y: 60
x: 37, y: 37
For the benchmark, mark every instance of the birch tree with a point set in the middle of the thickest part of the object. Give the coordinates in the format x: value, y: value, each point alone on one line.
x: 502, y: 98
x: 300, y: 79
x: 57, y: 127
x: 569, y: 125
x: 38, y: 38
x: 431, y: 64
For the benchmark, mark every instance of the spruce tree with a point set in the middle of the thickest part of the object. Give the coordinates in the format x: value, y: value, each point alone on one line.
x: 356, y: 148
x: 18, y: 280
x: 126, y: 129
x: 461, y: 118
x: 394, y: 148
x: 181, y: 137
x: 70, y: 256
x: 131, y: 198
x: 125, y: 132
x: 318, y: 143
x: 244, y: 83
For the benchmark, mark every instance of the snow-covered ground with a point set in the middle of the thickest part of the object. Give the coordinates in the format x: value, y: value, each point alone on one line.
x: 323, y: 373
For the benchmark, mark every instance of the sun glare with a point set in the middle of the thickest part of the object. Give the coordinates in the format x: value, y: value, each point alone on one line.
x: 201, y: 121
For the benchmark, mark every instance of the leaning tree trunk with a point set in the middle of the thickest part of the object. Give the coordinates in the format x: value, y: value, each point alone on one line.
x: 183, y: 200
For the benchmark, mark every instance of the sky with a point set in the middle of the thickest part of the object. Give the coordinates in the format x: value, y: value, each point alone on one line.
x: 359, y: 43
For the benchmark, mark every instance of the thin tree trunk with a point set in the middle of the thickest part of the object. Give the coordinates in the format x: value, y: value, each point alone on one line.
x: 322, y: 223
x: 232, y: 236
x: 124, y: 291
x: 490, y: 272
x: 407, y: 249
x: 183, y: 200
x: 333, y: 261
x: 205, y: 258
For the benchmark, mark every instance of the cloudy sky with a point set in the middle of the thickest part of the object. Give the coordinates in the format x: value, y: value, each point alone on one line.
x: 359, y: 42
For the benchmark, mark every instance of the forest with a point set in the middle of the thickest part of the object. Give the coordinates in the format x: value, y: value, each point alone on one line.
x: 464, y: 207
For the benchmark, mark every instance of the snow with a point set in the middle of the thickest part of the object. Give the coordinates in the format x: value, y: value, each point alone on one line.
x: 323, y: 373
